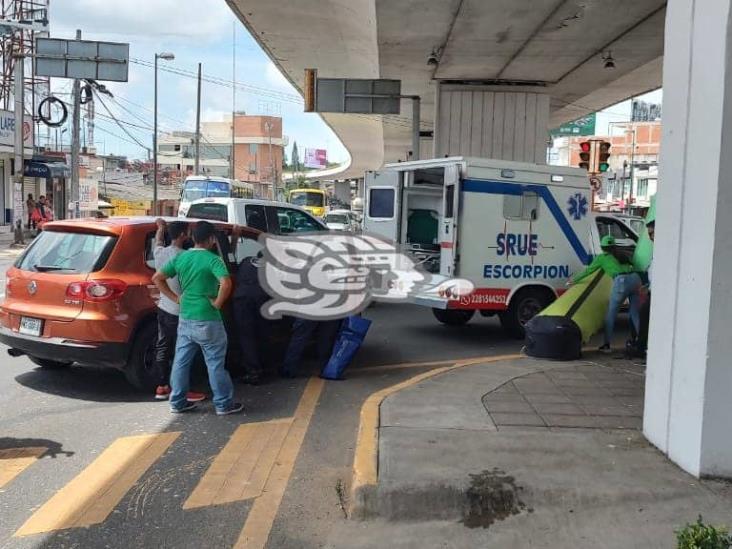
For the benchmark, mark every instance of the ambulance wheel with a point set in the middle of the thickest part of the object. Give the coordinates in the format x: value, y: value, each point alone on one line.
x: 524, y: 306
x: 453, y: 317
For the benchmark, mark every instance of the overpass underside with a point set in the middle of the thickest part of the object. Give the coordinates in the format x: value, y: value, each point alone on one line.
x: 556, y: 49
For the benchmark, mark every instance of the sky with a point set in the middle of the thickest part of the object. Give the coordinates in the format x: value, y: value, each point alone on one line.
x: 198, y: 31
x: 195, y: 31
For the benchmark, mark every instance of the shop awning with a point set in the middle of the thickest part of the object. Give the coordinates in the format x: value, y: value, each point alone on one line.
x: 45, y: 170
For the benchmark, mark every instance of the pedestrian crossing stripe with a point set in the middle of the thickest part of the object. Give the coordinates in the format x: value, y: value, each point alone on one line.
x: 14, y: 461
x: 256, y: 463
x: 242, y: 467
x: 94, y: 493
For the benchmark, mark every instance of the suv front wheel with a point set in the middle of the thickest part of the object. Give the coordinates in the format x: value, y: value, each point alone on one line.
x: 140, y: 369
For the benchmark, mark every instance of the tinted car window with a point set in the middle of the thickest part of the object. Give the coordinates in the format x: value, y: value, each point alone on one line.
x: 295, y: 221
x: 67, y: 252
x: 256, y: 218
x: 205, y: 210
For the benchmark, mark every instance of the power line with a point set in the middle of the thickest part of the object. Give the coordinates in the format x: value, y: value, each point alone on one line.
x: 98, y: 96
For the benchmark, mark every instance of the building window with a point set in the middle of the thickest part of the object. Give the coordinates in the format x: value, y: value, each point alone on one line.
x: 642, y: 188
x: 252, y: 148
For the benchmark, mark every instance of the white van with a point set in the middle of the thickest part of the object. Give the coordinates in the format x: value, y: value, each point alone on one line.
x: 265, y: 215
x: 517, y: 231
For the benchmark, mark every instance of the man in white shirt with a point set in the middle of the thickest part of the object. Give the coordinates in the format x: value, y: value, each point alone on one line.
x: 168, y: 310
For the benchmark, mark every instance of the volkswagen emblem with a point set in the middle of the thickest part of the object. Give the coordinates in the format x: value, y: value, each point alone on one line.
x: 32, y: 287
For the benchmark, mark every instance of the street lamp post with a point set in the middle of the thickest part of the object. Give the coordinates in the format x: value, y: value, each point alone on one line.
x: 167, y: 56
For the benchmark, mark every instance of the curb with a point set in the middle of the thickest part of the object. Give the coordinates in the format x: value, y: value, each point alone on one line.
x: 364, y: 483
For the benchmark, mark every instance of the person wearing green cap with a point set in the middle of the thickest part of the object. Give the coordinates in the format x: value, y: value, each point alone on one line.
x: 626, y: 285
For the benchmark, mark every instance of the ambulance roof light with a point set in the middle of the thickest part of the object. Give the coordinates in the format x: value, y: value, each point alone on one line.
x: 557, y: 178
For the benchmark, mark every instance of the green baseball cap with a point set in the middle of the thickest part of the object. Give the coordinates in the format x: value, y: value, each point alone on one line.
x: 607, y: 241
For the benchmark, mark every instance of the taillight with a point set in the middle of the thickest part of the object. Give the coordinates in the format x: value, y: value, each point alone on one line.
x: 96, y: 290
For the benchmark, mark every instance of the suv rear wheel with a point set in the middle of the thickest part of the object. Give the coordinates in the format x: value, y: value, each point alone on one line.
x: 49, y: 364
x: 524, y: 306
x: 453, y: 317
x: 140, y: 369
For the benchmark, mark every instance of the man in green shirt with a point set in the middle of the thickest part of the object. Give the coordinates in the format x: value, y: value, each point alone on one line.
x: 205, y: 286
x: 626, y: 285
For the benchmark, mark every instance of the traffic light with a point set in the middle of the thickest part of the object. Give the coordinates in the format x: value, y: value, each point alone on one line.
x: 602, y: 159
x: 584, y: 155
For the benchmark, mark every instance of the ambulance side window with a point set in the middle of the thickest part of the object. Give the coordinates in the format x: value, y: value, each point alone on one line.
x: 450, y: 201
x: 521, y: 207
x: 381, y: 203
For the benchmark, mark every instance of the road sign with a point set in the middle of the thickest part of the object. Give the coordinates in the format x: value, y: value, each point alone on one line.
x: 349, y: 95
x: 596, y: 183
x: 581, y: 126
x: 83, y: 59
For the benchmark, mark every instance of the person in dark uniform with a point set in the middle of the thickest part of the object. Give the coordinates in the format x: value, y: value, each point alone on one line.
x: 252, y: 328
x: 324, y: 331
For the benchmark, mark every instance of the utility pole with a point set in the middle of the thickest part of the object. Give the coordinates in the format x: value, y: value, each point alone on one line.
x: 232, y: 156
x: 19, y: 96
x: 197, y: 167
x: 75, y: 144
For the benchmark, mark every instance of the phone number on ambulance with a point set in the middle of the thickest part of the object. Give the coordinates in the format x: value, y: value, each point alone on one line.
x: 484, y: 299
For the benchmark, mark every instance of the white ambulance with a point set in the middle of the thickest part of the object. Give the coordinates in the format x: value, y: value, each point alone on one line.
x: 517, y: 231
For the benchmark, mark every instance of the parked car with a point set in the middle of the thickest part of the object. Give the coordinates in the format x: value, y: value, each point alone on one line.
x: 633, y: 221
x: 341, y: 220
x: 82, y: 293
x: 264, y: 215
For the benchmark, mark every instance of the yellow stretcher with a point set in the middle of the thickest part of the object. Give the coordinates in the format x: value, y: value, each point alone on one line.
x: 559, y: 331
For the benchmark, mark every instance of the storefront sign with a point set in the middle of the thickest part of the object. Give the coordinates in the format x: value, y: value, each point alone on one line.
x: 7, y: 129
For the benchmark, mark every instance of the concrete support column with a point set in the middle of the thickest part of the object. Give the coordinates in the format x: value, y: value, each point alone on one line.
x: 689, y: 378
x: 490, y: 122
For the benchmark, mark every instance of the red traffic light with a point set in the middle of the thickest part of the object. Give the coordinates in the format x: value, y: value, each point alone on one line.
x: 585, y: 146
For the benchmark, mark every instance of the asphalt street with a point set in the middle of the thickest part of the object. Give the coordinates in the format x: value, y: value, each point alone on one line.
x: 118, y: 470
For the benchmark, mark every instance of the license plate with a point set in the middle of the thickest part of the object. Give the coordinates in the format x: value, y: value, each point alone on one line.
x: 31, y: 326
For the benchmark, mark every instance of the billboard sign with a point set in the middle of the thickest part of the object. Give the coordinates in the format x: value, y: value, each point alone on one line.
x: 316, y: 158
x: 581, y: 126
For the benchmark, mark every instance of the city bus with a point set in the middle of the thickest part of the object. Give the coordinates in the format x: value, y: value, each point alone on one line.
x: 312, y: 200
x: 196, y: 187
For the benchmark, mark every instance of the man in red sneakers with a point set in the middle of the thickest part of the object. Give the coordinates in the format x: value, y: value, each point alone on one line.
x: 168, y: 310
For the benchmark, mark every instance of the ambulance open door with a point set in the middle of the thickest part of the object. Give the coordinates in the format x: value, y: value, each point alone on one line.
x: 383, y: 204
x: 448, y: 235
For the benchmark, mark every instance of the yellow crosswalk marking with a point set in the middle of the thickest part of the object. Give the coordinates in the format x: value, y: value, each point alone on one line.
x: 258, y: 525
x: 243, y: 465
x: 92, y: 495
x: 14, y: 460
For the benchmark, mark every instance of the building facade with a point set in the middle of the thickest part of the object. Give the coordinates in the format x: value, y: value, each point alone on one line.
x: 258, y: 151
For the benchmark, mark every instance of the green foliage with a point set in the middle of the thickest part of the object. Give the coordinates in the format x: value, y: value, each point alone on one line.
x: 703, y: 536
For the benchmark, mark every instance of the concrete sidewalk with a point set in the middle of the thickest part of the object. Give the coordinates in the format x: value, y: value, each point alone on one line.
x: 525, y: 453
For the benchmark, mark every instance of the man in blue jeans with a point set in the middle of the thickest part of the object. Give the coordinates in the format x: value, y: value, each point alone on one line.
x: 205, y: 286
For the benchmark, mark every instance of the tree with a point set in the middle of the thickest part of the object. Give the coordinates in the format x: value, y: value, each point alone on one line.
x: 295, y: 158
x: 285, y: 165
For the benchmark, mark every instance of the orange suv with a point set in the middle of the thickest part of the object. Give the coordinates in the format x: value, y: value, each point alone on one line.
x: 82, y: 293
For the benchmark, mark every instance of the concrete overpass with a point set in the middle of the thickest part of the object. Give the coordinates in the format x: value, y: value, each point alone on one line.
x: 551, y: 47
x: 543, y: 62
